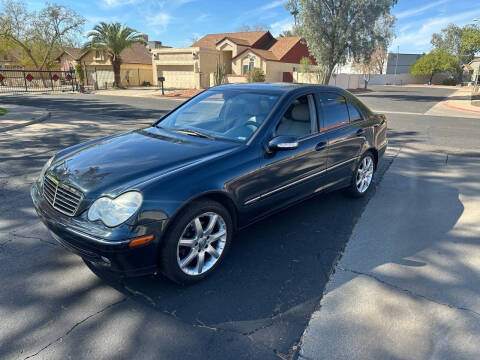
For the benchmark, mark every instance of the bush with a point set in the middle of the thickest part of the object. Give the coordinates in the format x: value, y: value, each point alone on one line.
x: 258, y: 75
x: 450, y: 82
x: 305, y: 64
x: 80, y: 75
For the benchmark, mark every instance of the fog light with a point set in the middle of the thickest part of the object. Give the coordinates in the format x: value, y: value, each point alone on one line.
x: 140, y: 241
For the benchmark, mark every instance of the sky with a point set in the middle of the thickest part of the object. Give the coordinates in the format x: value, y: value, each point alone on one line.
x: 177, y: 22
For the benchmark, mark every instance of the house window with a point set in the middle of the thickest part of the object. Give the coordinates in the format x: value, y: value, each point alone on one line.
x: 244, y: 69
x: 294, y: 69
x: 97, y: 54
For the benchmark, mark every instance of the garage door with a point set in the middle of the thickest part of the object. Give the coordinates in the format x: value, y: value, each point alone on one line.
x: 177, y: 77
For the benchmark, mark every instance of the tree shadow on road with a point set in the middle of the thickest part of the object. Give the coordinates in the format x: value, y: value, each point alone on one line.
x: 423, y: 202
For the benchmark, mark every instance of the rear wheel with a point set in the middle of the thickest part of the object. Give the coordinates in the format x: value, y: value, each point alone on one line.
x: 363, y: 176
x: 196, y: 242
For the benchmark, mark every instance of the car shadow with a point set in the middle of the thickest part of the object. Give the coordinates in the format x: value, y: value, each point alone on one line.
x: 276, y: 272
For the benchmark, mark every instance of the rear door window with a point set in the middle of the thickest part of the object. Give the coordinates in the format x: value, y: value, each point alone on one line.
x: 334, y: 109
x: 354, y: 113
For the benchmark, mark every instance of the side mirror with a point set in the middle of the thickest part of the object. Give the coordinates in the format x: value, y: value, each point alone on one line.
x: 283, y: 142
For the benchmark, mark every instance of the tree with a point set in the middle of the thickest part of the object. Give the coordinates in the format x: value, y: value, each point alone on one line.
x: 38, y: 36
x: 112, y: 39
x: 337, y: 29
x: 470, y: 40
x: 288, y: 33
x: 373, y: 66
x: 292, y: 6
x: 384, y: 31
x: 378, y: 60
x: 461, y: 42
x: 435, y: 62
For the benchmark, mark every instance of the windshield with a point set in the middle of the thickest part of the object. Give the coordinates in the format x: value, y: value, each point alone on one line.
x: 230, y: 114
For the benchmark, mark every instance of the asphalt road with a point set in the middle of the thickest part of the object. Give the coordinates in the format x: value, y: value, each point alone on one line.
x: 255, y: 306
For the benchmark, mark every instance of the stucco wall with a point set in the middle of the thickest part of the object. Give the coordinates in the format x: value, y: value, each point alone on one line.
x: 175, y: 56
x: 208, y: 60
x: 274, y: 70
x: 401, y: 79
x: 244, y: 60
x: 346, y: 81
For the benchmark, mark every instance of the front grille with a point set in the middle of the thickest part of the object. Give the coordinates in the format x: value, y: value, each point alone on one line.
x: 62, y: 197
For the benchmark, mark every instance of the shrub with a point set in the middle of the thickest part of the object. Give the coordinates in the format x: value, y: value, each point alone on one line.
x: 80, y: 75
x: 305, y: 64
x: 257, y: 76
x: 450, y: 82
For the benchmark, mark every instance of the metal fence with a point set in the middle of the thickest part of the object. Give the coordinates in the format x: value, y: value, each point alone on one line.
x: 33, y: 81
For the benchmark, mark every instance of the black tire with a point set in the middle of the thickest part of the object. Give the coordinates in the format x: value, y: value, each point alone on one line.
x: 352, y: 190
x: 168, y: 255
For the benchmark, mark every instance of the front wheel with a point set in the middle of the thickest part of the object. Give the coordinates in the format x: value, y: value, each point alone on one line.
x: 362, y: 176
x: 196, y: 242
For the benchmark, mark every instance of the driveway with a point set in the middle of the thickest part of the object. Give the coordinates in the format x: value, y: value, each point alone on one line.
x: 256, y: 306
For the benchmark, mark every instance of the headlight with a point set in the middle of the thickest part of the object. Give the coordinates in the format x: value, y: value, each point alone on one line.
x: 114, y: 212
x: 44, y: 169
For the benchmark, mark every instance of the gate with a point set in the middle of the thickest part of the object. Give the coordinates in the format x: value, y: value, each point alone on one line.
x: 288, y: 77
x: 33, y: 81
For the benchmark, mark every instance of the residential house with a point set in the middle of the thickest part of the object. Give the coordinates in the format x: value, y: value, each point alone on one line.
x: 135, y: 70
x: 194, y: 66
x: 471, y: 70
x: 9, y: 59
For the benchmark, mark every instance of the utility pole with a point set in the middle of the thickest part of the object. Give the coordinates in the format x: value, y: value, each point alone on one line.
x: 396, y: 64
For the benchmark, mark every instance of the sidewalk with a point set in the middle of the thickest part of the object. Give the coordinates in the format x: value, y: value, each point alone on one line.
x: 20, y: 116
x: 146, y: 92
x: 408, y: 284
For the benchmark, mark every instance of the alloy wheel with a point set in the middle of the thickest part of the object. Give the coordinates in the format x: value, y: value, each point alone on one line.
x: 201, y: 244
x: 364, y: 174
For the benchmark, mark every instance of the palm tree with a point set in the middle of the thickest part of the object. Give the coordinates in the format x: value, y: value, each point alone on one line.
x: 112, y: 39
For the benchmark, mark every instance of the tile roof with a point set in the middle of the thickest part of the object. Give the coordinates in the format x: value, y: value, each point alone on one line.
x: 75, y: 53
x: 269, y: 48
x: 264, y: 54
x: 235, y: 40
x: 137, y: 54
x: 283, y: 45
x: 211, y: 40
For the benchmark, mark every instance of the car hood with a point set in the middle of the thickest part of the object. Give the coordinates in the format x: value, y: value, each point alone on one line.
x: 124, y: 161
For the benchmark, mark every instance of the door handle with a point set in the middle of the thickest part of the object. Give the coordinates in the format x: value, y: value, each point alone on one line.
x: 360, y: 132
x: 321, y: 145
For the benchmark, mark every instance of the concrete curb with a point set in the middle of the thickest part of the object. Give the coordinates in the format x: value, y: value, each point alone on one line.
x: 31, y: 122
x: 445, y: 103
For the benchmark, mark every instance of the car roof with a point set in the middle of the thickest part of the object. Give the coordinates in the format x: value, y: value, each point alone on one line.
x: 270, y: 88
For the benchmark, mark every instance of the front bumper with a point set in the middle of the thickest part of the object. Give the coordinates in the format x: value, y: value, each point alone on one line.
x: 104, y: 247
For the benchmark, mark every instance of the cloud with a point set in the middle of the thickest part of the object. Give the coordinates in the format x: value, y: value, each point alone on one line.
x: 419, y: 10
x: 271, y: 5
x: 117, y: 3
x: 254, y: 13
x: 203, y: 17
x: 420, y: 33
x: 280, y: 26
x: 160, y: 19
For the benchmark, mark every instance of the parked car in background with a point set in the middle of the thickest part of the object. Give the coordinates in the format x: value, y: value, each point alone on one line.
x: 170, y: 197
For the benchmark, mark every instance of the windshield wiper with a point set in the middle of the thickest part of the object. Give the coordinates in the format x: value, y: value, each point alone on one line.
x: 194, y: 133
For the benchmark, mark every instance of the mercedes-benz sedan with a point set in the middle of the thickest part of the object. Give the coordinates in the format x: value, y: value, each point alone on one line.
x: 170, y: 196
